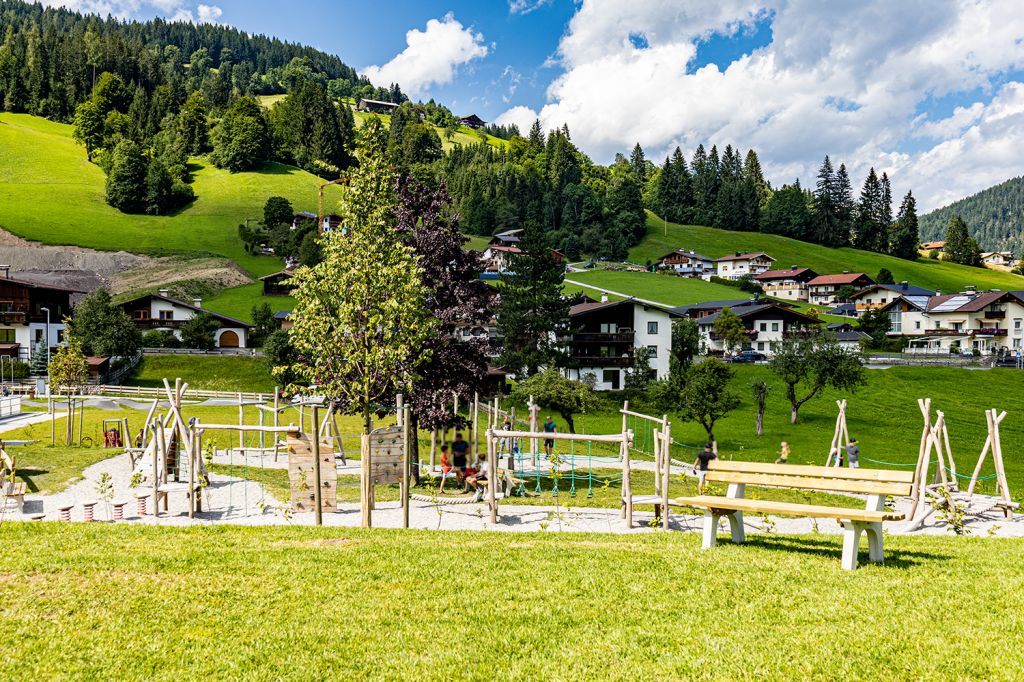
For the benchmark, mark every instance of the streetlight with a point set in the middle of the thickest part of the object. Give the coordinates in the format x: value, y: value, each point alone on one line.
x: 47, y: 311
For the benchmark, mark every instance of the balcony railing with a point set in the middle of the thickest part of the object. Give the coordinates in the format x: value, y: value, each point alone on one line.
x: 994, y: 314
x: 988, y: 331
x: 12, y: 317
x: 153, y: 323
x: 600, y: 361
x: 603, y: 337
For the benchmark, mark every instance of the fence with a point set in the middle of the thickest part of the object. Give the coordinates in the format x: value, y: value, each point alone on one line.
x: 247, y: 352
x: 10, y: 407
x: 154, y: 392
x: 934, y: 360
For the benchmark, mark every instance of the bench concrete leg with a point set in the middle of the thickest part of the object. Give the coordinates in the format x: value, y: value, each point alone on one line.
x: 851, y: 543
x: 736, y: 526
x: 874, y: 533
x: 710, y: 530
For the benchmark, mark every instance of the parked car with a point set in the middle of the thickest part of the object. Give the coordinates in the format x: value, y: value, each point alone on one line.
x: 747, y: 356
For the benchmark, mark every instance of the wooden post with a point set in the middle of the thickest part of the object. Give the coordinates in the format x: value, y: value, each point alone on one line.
x: 319, y: 510
x: 263, y: 436
x: 624, y: 456
x: 492, y: 476
x: 158, y: 447
x: 949, y: 456
x: 192, y: 477
x: 277, y: 417
x: 984, y: 452
x: 666, y: 456
x: 81, y: 419
x: 406, y: 459
x: 475, y: 433
x: 656, y: 450
x: 455, y: 414
x: 241, y: 422
x: 433, y: 447
x: 921, y: 470
x: 997, y: 457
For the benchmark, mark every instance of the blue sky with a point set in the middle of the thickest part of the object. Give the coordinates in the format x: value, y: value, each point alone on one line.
x: 929, y: 91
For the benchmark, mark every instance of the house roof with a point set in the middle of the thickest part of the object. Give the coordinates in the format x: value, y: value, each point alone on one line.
x: 40, y: 285
x: 181, y: 304
x: 591, y: 306
x: 933, y: 245
x: 279, y: 273
x: 378, y: 101
x: 744, y: 256
x: 843, y: 278
x: 844, y: 309
x: 684, y: 252
x: 508, y: 249
x: 282, y: 314
x: 901, y: 288
x: 789, y: 273
x: 853, y: 335
x: 474, y: 118
x: 713, y: 305
x: 759, y: 310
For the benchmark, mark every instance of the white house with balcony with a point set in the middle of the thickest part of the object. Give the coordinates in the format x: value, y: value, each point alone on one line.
x: 880, y: 295
x: 767, y: 323
x: 605, y: 335
x: 789, y: 284
x: 822, y: 289
x: 740, y: 264
x: 161, y: 312
x: 982, y: 321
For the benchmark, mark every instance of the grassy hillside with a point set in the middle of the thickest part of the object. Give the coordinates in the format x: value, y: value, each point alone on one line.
x: 120, y: 602
x: 238, y: 302
x: 49, y: 192
x: 714, y: 242
x: 994, y: 217
x: 667, y: 289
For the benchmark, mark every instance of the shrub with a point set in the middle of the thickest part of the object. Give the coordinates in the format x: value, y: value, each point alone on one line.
x: 160, y: 338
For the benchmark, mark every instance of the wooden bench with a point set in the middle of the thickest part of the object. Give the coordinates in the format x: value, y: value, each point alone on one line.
x: 11, y: 490
x: 875, y: 483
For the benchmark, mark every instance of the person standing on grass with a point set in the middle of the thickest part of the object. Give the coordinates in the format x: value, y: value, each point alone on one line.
x: 460, y: 450
x: 505, y: 443
x: 853, y: 454
x: 446, y: 468
x: 549, y: 443
x: 783, y: 453
x: 700, y: 465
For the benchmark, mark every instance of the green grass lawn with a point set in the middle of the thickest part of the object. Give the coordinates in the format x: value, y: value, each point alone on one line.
x: 238, y: 302
x: 215, y: 602
x: 212, y: 372
x: 661, y: 288
x: 715, y: 243
x: 49, y: 192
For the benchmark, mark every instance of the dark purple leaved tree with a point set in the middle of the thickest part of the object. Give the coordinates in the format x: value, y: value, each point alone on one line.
x: 457, y: 297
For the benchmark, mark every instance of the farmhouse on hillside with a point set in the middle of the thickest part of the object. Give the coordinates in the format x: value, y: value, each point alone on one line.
x: 161, y: 312
x: 507, y: 238
x: 767, y: 323
x: 472, y: 121
x: 938, y: 247
x: 879, y: 295
x: 606, y: 335
x: 696, y: 311
x: 985, y: 321
x: 375, y: 106
x: 789, y: 284
x: 687, y: 263
x: 739, y: 264
x: 846, y: 336
x: 997, y: 259
x: 496, y: 258
x: 24, y: 321
x: 823, y: 289
x: 275, y: 284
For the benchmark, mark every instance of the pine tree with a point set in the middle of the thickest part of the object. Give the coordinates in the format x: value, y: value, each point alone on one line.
x: 869, y: 214
x: 532, y: 314
x: 638, y: 163
x: 683, y: 190
x: 904, y: 237
x: 961, y: 247
x: 126, y: 183
x: 536, y: 141
x: 827, y: 224
x: 884, y: 215
x: 846, y: 210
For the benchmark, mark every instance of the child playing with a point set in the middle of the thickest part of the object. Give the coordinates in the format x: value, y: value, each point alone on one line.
x: 783, y: 453
x: 446, y: 469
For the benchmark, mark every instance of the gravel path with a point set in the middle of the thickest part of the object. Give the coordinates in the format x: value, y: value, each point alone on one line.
x: 237, y: 501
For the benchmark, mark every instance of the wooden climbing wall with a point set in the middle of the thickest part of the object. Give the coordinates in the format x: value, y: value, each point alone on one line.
x: 301, y: 475
x: 387, y: 454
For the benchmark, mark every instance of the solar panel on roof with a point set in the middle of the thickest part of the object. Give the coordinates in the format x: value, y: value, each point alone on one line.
x: 951, y: 304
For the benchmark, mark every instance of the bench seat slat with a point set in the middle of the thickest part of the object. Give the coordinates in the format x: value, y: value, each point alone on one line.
x: 785, y: 508
x: 808, y: 482
x: 881, y: 475
x: 14, y: 489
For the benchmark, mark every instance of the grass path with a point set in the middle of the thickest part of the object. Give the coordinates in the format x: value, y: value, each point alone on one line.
x: 137, y: 602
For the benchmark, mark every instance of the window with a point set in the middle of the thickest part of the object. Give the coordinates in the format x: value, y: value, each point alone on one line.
x: 1016, y: 323
x: 652, y: 351
x: 775, y: 326
x: 6, y: 336
x: 60, y: 336
x: 764, y: 326
x: 917, y: 324
x: 141, y: 314
x: 652, y: 327
x: 166, y: 314
x: 611, y: 376
x: 760, y: 345
x: 39, y: 335
x: 609, y: 328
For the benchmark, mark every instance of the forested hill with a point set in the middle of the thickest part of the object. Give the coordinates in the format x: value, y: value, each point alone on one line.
x: 995, y: 217
x: 50, y: 59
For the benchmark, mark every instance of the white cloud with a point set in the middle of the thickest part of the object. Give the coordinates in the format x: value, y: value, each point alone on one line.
x: 431, y: 56
x: 173, y: 10
x: 845, y: 79
x: 525, y: 6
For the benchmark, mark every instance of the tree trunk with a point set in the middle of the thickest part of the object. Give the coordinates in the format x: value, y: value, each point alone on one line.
x: 569, y: 422
x: 414, y: 446
x: 366, y: 488
x: 793, y: 414
x: 760, y: 419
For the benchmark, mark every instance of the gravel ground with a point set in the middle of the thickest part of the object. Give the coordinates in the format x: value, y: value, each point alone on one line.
x: 233, y: 500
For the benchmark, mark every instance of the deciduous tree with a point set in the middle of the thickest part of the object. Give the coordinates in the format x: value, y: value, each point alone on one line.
x: 814, y: 363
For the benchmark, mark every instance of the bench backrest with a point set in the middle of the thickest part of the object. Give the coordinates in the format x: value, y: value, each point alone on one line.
x: 6, y: 462
x: 837, y: 479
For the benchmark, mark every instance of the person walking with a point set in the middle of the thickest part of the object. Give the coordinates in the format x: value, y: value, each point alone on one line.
x: 853, y: 454
x: 700, y: 465
x: 549, y: 443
